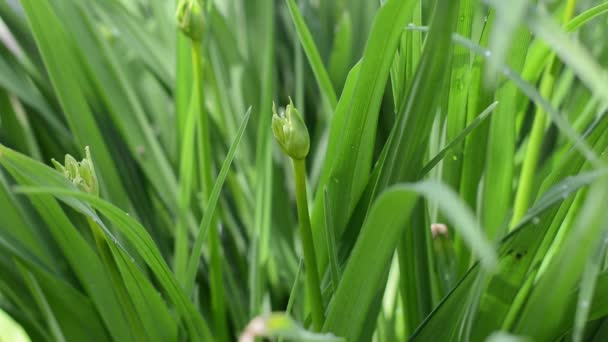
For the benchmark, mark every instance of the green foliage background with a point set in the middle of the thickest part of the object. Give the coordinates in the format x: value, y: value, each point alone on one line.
x: 486, y: 116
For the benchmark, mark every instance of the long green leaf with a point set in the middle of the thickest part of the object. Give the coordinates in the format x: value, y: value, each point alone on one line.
x: 327, y: 90
x: 63, y: 67
x: 349, y: 171
x: 365, y: 272
x: 214, y: 195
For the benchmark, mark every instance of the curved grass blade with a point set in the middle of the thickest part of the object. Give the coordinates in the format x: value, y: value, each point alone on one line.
x: 15, y: 81
x: 46, y: 180
x: 43, y: 304
x: 75, y: 312
x: 353, y: 141
x: 439, y: 325
x: 533, y: 94
x: 587, y: 288
x: 571, y: 52
x: 66, y: 74
x: 550, y: 293
x: 116, y: 90
x: 80, y: 256
x: 197, y: 248
x: 365, y: 272
x: 458, y: 139
x: 137, y: 235
x: 318, y: 69
x: 598, y: 304
x: 508, y: 17
x: 539, y: 51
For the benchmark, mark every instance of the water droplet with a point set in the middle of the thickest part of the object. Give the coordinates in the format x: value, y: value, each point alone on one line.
x: 461, y: 18
x: 535, y: 220
x: 411, y: 25
x: 485, y: 18
x: 584, y: 304
x: 460, y: 84
x: 487, y: 53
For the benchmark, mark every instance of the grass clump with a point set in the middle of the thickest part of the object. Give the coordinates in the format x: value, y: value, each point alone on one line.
x: 445, y: 178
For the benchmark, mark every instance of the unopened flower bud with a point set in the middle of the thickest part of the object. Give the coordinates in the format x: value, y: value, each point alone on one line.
x: 191, y: 18
x: 290, y: 131
x: 82, y: 174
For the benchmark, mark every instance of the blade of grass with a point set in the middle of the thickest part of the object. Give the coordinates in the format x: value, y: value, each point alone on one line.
x: 117, y: 92
x: 75, y: 312
x: 457, y: 95
x: 81, y: 258
x: 263, y: 164
x: 533, y: 94
x: 539, y: 51
x: 588, y: 286
x: 352, y: 142
x: 331, y: 244
x: 363, y: 275
x: 439, y: 326
x: 327, y: 90
x: 15, y: 81
x: 43, y: 304
x: 500, y: 168
x: 524, y: 189
x: 475, y: 147
x: 46, y: 180
x: 589, y: 230
x: 341, y: 53
x: 458, y: 139
x: 504, y: 30
x: 137, y: 235
x: 62, y: 66
x: 197, y: 248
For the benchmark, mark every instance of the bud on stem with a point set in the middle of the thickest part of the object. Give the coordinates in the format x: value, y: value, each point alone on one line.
x: 290, y: 131
x: 191, y: 18
x: 82, y: 173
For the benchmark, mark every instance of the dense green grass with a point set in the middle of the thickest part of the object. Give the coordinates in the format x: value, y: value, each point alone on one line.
x: 441, y: 175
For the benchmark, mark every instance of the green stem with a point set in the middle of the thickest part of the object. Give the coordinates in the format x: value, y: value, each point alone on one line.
x: 180, y: 258
x: 206, y: 174
x: 526, y: 180
x: 310, y: 261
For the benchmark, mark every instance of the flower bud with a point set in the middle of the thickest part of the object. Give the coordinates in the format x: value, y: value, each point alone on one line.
x: 190, y: 18
x: 290, y: 131
x: 82, y: 174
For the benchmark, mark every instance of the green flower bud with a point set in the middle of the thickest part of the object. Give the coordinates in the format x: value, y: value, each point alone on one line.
x: 290, y: 131
x: 82, y: 174
x: 191, y: 18
x: 60, y: 168
x: 71, y: 166
x: 87, y: 172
